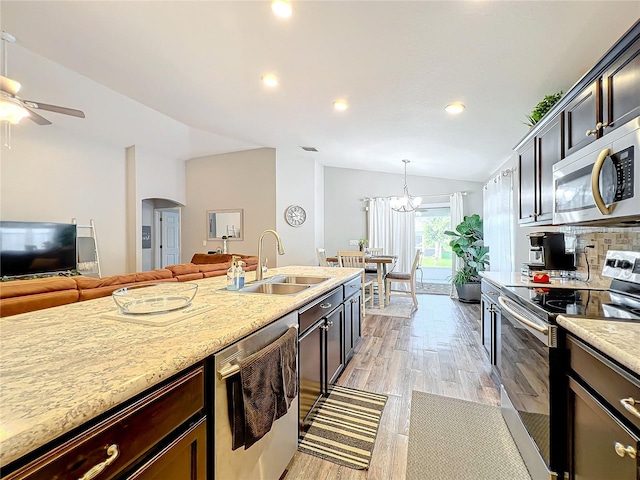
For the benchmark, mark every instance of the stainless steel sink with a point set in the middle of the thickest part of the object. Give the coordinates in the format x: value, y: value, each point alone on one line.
x: 297, y: 279
x: 274, y: 288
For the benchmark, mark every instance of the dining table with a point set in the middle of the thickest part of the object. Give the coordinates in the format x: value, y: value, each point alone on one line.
x: 381, y: 262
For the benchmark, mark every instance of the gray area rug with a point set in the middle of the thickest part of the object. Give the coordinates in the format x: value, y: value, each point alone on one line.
x: 433, y: 288
x: 398, y: 307
x: 456, y: 439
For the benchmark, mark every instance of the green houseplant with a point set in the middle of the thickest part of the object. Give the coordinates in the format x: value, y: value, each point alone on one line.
x: 467, y: 244
x: 542, y: 108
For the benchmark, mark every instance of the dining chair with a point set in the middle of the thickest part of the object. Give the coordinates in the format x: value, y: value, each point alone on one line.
x: 353, y: 259
x: 322, y: 257
x: 402, y: 277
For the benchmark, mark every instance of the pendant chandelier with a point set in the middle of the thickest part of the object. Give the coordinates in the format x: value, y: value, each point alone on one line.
x: 406, y: 203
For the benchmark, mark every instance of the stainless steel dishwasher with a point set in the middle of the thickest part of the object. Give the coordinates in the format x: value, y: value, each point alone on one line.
x: 268, y: 458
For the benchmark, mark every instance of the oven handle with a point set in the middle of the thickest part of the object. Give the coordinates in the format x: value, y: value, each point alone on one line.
x: 595, y: 183
x: 526, y: 322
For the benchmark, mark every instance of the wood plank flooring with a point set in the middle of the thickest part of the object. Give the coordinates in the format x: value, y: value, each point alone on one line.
x: 436, y: 351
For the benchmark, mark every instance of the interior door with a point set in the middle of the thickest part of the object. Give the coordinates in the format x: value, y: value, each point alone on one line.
x: 169, y: 237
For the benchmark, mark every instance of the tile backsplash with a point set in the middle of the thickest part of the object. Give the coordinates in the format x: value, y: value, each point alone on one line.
x: 603, y: 239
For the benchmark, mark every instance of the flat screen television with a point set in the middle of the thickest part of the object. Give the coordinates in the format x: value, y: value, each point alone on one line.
x: 31, y: 248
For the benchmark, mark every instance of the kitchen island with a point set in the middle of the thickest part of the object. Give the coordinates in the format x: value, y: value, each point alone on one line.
x: 64, y: 366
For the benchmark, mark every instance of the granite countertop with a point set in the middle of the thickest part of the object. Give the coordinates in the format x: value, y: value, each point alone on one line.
x: 516, y: 279
x: 63, y: 366
x: 619, y: 339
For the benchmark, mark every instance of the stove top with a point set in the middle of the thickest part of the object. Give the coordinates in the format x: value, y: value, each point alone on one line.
x: 621, y: 301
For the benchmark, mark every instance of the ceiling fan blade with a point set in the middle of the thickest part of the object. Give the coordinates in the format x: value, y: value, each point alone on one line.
x: 10, y: 86
x: 40, y: 120
x: 54, y: 108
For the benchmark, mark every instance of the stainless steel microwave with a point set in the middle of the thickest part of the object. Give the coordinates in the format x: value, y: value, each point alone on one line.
x: 599, y: 183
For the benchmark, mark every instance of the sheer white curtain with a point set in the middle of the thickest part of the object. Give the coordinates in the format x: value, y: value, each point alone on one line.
x: 456, y: 207
x: 497, y: 201
x: 395, y: 232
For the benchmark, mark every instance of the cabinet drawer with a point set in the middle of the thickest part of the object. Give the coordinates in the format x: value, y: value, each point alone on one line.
x: 320, y: 308
x: 352, y: 287
x: 133, y: 430
x: 609, y: 380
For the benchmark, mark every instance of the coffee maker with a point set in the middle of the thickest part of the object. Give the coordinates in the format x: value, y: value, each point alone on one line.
x: 548, y: 252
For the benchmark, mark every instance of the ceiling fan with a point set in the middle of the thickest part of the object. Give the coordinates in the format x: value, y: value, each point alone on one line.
x: 14, y: 108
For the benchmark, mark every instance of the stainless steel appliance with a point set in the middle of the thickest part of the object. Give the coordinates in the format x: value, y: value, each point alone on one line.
x: 598, y: 184
x: 532, y: 360
x: 268, y: 457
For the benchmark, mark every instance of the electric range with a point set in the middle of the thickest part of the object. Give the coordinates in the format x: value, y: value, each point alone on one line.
x: 532, y: 358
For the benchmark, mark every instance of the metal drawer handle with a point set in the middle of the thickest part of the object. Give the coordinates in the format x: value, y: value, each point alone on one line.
x: 629, y: 403
x: 112, y: 454
x: 325, y: 305
x: 330, y: 323
x: 621, y: 450
x: 521, y: 319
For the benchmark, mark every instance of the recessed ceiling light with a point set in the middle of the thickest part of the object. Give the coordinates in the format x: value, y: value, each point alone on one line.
x: 270, y: 80
x: 340, y: 105
x: 455, y: 108
x: 282, y: 8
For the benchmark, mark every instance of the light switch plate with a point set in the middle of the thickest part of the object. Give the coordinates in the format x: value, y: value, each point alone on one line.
x: 204, y: 243
x: 353, y: 243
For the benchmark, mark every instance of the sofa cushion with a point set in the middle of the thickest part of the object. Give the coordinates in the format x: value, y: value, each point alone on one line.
x: 202, y: 258
x: 213, y: 267
x: 85, y: 283
x: 189, y: 276
x: 153, y: 275
x: 39, y: 301
x: 19, y: 288
x: 183, y: 269
x: 105, y: 291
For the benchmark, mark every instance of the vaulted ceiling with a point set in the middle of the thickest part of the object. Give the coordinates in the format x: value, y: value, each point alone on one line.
x: 396, y: 63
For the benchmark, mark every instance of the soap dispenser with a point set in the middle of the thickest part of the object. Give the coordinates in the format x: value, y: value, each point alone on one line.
x: 240, y: 274
x: 232, y: 281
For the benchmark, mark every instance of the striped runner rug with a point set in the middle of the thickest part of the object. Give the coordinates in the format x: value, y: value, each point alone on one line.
x: 344, y: 428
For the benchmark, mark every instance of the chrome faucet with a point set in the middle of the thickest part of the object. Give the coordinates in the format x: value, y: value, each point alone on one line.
x: 259, y: 270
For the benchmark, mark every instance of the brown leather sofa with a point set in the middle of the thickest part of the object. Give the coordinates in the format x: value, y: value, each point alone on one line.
x: 20, y: 296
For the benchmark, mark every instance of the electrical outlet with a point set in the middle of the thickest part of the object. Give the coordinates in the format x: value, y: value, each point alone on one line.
x: 204, y: 243
x: 353, y: 243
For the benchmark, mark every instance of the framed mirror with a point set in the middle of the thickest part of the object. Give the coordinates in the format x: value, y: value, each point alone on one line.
x: 227, y: 223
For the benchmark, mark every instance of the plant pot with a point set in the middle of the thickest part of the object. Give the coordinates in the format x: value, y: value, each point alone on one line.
x: 469, y: 292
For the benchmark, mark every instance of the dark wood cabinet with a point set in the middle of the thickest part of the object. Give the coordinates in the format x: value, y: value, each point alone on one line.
x: 311, y: 370
x: 621, y: 90
x: 352, y: 317
x: 536, y: 160
x: 334, y: 351
x: 183, y: 459
x: 582, y: 114
x: 604, y: 435
x: 132, y: 435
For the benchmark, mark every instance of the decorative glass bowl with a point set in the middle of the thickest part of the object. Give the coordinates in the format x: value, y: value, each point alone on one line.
x: 155, y: 297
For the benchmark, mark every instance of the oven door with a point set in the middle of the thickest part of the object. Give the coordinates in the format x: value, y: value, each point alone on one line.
x: 528, y: 368
x: 597, y: 184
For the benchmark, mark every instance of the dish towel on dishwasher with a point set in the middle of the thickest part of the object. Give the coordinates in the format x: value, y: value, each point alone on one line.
x: 269, y: 384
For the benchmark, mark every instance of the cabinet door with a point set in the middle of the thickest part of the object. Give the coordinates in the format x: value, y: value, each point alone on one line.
x: 527, y: 169
x: 599, y: 445
x: 356, y: 319
x: 582, y: 114
x: 348, y: 330
x: 310, y: 369
x: 621, y: 90
x: 334, y: 328
x: 549, y: 151
x: 486, y: 321
x: 183, y: 459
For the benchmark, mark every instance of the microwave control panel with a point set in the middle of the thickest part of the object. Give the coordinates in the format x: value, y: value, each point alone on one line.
x: 622, y: 163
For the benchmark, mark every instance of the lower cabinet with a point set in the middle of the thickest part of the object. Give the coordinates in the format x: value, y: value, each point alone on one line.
x: 604, y: 417
x: 352, y: 317
x: 140, y: 440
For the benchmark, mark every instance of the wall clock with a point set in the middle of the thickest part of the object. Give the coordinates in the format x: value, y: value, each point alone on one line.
x: 295, y: 215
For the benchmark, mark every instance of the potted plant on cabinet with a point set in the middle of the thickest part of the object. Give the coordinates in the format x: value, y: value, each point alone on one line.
x: 542, y: 108
x: 467, y: 244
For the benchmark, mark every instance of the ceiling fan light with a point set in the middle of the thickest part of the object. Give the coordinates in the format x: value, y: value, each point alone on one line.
x: 281, y: 8
x: 12, y: 112
x: 270, y: 81
x: 340, y: 105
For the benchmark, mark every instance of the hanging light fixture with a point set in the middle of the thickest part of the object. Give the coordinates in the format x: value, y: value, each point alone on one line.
x: 406, y: 203
x: 11, y: 111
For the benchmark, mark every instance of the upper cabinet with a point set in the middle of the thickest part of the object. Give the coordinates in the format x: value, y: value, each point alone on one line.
x: 607, y: 97
x: 535, y: 164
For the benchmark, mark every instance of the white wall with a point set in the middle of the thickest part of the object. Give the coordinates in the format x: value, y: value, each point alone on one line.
x: 50, y: 175
x: 345, y: 216
x: 319, y: 202
x: 296, y: 185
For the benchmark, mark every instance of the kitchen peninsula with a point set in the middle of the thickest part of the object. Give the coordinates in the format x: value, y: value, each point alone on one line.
x: 62, y: 367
